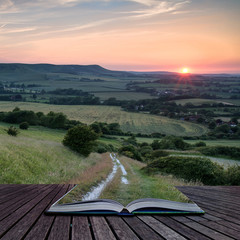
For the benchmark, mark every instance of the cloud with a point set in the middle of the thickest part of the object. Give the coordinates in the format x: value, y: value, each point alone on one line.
x: 5, y: 4
x: 154, y: 7
x: 16, y: 30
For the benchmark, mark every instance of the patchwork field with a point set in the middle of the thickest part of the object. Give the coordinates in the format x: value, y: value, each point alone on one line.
x: 133, y: 122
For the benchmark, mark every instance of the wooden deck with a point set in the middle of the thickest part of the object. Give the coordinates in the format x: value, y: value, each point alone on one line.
x: 22, y: 217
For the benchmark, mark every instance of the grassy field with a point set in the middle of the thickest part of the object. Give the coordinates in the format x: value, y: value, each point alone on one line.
x: 199, y: 101
x: 156, y: 186
x: 37, y: 156
x: 133, y: 122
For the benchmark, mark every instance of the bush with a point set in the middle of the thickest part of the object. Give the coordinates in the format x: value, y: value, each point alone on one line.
x: 145, y: 151
x: 159, y: 153
x: 131, y: 151
x: 24, y: 125
x: 80, y: 138
x: 200, y: 144
x: 12, y: 131
x: 189, y: 168
x: 232, y: 152
x: 233, y: 175
x: 103, y: 147
x: 170, y: 142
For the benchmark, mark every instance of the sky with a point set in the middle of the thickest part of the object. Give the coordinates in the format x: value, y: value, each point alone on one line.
x: 136, y: 35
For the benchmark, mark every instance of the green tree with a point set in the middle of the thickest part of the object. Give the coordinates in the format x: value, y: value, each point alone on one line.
x: 81, y: 139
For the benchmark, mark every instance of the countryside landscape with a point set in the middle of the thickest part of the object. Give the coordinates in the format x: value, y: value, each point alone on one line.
x: 133, y: 101
x: 165, y: 117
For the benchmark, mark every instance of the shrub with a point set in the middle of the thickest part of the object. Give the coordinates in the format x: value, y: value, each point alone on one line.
x: 80, y: 138
x: 189, y: 168
x: 159, y: 153
x: 232, y: 152
x: 200, y: 144
x: 233, y: 175
x: 12, y: 131
x: 24, y: 125
x: 170, y: 142
x: 103, y: 147
x: 146, y: 150
x: 131, y: 151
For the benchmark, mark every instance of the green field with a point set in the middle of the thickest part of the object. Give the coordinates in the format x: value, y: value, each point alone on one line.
x: 37, y: 156
x: 133, y: 122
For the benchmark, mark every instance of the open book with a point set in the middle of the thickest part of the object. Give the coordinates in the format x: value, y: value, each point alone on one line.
x: 139, y: 206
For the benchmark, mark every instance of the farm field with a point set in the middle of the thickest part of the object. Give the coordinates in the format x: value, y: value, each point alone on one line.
x: 123, y: 95
x: 199, y: 101
x: 133, y: 122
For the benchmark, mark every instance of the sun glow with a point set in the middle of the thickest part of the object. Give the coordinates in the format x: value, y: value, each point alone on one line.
x: 185, y: 70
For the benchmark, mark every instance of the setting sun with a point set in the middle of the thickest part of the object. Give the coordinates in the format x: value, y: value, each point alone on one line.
x: 185, y: 70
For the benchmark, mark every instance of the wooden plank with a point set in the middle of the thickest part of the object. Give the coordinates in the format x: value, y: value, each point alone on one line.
x: 44, y: 223
x: 162, y: 229
x: 207, y: 231
x: 80, y: 228
x: 181, y: 228
x: 11, y: 191
x: 217, y: 195
x: 223, y: 229
x: 211, y: 217
x: 214, y: 212
x: 141, y: 229
x: 25, y: 216
x: 224, y: 209
x: 121, y: 229
x: 7, y: 209
x: 61, y: 228
x: 101, y: 230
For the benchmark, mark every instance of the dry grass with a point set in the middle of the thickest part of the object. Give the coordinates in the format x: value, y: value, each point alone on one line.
x: 89, y: 177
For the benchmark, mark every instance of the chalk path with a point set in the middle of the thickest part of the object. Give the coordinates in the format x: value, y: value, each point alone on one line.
x: 96, y: 191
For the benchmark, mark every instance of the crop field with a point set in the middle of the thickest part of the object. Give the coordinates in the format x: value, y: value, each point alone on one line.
x: 133, y: 122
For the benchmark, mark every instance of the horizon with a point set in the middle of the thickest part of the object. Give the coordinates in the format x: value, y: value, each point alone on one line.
x: 129, y: 35
x: 123, y: 70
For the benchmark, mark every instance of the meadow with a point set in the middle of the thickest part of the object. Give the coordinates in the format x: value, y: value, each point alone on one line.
x: 36, y: 156
x: 156, y: 186
x: 133, y: 122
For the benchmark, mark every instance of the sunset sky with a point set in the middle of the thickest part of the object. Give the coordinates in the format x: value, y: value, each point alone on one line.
x: 142, y: 35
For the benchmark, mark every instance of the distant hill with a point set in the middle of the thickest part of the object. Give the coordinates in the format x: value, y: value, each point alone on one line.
x: 20, y: 71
